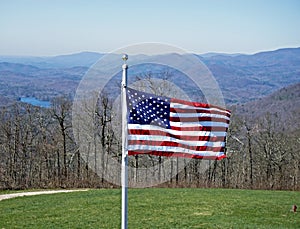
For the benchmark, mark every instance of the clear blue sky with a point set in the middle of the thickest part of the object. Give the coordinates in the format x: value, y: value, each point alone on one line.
x: 52, y: 27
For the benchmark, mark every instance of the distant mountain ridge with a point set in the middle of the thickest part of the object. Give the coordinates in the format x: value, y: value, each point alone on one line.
x: 242, y: 78
x: 84, y: 59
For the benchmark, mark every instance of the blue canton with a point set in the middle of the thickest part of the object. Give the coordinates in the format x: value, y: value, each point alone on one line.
x: 147, y: 109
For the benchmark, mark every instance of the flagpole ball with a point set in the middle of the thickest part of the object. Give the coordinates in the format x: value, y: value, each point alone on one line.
x: 125, y: 58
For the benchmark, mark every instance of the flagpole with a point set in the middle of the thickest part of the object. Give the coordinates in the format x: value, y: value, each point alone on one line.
x: 124, y: 170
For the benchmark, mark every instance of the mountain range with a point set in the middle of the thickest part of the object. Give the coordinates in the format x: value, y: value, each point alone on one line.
x: 242, y: 78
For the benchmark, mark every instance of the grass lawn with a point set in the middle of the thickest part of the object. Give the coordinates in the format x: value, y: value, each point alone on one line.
x: 154, y: 208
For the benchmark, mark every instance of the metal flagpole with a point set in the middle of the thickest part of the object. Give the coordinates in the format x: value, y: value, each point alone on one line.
x: 124, y: 172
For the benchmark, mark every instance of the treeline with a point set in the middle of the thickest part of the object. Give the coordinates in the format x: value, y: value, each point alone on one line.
x: 39, y: 150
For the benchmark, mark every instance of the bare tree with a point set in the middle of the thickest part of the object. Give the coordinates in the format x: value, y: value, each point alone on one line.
x: 61, y: 109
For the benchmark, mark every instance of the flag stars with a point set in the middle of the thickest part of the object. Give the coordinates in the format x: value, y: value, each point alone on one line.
x: 145, y: 109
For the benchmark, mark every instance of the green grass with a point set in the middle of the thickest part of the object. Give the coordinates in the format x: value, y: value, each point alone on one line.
x: 154, y: 208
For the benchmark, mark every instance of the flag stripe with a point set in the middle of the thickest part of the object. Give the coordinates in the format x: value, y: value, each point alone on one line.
x: 198, y: 119
x: 195, y: 105
x: 156, y: 139
x: 175, y: 154
x: 149, y: 143
x: 172, y: 149
x: 179, y: 114
x: 180, y: 130
x: 200, y: 128
x: 190, y: 110
x: 198, y: 124
x: 205, y: 136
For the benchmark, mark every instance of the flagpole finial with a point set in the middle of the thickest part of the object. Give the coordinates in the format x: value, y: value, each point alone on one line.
x: 125, y: 58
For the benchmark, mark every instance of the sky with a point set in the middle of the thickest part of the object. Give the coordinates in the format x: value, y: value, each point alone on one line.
x: 55, y: 27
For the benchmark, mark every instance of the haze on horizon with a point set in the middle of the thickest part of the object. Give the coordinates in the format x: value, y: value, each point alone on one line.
x: 47, y: 28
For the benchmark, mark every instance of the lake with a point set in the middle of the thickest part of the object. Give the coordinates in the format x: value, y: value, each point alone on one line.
x: 35, y: 102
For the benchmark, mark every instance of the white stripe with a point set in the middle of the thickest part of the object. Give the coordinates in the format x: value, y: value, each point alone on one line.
x: 184, y: 106
x: 173, y: 114
x: 170, y: 139
x: 174, y: 149
x: 176, y: 132
x: 195, y: 124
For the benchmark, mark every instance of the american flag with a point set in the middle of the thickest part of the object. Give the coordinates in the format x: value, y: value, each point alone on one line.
x: 164, y: 126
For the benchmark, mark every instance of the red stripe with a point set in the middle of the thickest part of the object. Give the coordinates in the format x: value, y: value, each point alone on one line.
x: 200, y: 128
x: 181, y: 137
x: 196, y: 111
x: 171, y: 154
x: 195, y: 104
x: 175, y: 144
x: 198, y: 119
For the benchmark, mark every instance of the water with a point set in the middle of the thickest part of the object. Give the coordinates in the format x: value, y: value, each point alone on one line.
x: 35, y: 102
